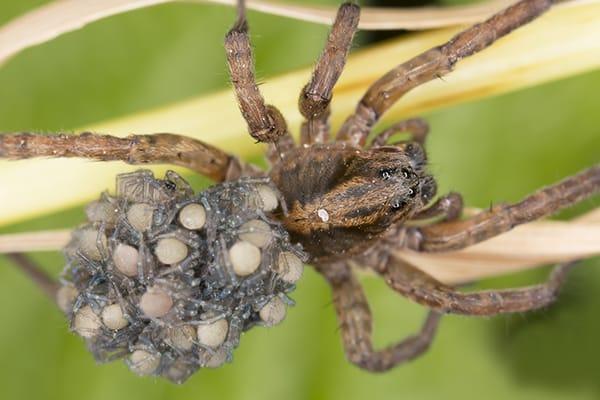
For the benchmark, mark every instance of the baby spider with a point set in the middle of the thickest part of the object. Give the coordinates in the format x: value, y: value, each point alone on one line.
x: 158, y: 270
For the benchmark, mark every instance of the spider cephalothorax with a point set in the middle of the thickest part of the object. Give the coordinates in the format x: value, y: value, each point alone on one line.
x: 340, y: 198
x: 344, y: 201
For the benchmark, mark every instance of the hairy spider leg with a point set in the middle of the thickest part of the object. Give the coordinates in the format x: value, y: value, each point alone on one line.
x: 265, y: 122
x: 449, y: 207
x: 316, y: 95
x: 432, y: 64
x: 425, y: 290
x: 417, y: 128
x: 356, y: 325
x: 160, y: 148
x: 455, y: 235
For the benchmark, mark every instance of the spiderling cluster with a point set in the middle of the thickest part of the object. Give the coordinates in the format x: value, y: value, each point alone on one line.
x: 170, y: 279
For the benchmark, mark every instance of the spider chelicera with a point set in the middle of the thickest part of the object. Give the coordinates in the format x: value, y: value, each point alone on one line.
x: 351, y: 201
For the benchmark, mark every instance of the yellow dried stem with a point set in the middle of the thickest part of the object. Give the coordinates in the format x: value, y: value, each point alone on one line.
x: 530, y: 245
x: 34, y: 241
x: 526, y: 246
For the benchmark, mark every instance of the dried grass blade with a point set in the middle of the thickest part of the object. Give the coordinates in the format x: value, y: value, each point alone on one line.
x: 61, y: 16
x: 522, y: 248
x: 526, y: 246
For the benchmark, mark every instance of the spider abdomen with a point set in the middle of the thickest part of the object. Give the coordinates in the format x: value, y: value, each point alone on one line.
x: 170, y: 279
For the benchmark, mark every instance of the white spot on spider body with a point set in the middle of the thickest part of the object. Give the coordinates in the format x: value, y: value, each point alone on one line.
x: 88, y: 243
x: 273, y: 312
x: 99, y: 211
x: 86, y: 323
x: 125, y: 258
x: 182, y: 337
x: 244, y: 257
x: 170, y: 251
x: 65, y: 297
x: 256, y: 232
x: 268, y: 198
x: 140, y: 216
x: 113, y: 318
x: 213, y: 334
x: 290, y: 267
x: 143, y: 362
x: 192, y: 216
x: 155, y: 303
x: 323, y: 214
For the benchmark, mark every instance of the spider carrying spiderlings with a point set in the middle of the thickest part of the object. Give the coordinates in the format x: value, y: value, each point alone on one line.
x: 169, y: 278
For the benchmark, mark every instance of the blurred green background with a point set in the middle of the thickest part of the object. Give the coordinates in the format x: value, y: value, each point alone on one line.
x: 493, y: 150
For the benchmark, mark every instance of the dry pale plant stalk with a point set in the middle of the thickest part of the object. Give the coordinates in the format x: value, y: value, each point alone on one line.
x: 530, y: 245
x: 526, y: 246
x: 59, y: 17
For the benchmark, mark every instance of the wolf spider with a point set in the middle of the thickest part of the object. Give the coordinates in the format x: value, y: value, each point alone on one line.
x: 351, y: 201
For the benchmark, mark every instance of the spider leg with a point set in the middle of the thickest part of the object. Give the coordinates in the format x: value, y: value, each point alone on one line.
x: 449, y: 207
x: 355, y: 322
x: 44, y: 282
x: 459, y: 234
x: 265, y: 122
x: 316, y: 95
x: 424, y: 289
x: 418, y: 129
x: 161, y: 148
x: 276, y: 151
x: 432, y: 64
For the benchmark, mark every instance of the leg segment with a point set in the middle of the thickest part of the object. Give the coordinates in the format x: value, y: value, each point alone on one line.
x: 434, y: 63
x: 276, y: 151
x: 449, y: 207
x: 355, y: 321
x: 424, y: 289
x: 418, y: 129
x: 456, y: 235
x: 162, y: 148
x: 316, y: 95
x: 316, y: 130
x: 265, y: 122
x: 35, y: 273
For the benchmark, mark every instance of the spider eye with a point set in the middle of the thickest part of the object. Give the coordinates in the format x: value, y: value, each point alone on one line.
x: 411, y: 193
x: 406, y: 173
x: 387, y: 173
x: 169, y: 185
x: 398, y: 204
